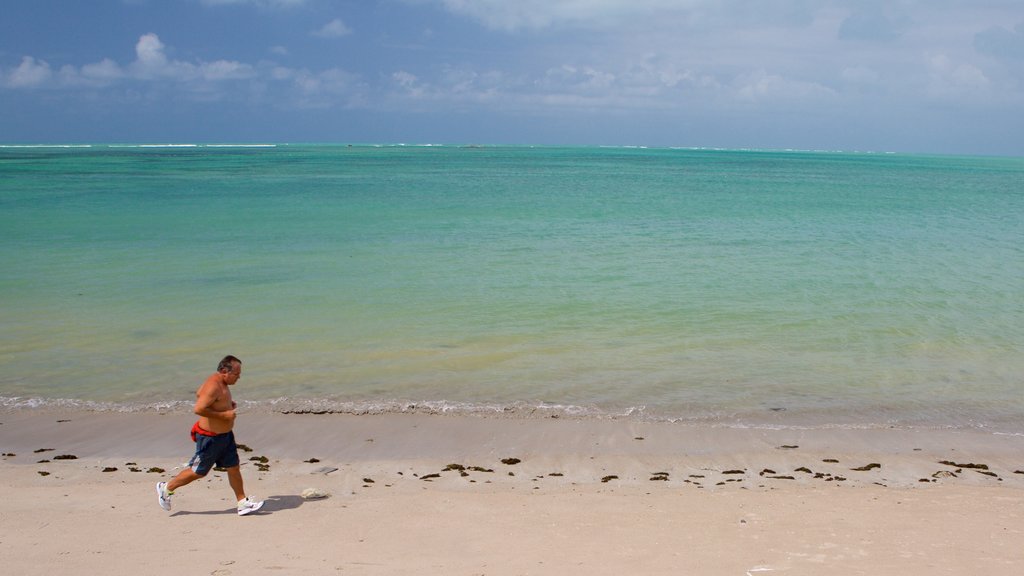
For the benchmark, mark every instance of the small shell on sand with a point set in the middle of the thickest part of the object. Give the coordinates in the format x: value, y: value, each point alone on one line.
x: 314, y: 494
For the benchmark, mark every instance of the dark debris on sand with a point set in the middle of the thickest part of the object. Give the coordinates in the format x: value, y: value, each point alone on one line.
x: 867, y: 467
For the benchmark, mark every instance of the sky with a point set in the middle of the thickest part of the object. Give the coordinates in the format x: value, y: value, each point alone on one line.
x: 920, y: 76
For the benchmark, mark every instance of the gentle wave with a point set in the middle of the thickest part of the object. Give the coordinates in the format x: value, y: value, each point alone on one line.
x: 319, y: 406
x: 518, y: 410
x: 35, y: 403
x: 240, y: 146
x: 45, y: 145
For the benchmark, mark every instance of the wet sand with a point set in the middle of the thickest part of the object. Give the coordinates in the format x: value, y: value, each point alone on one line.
x: 473, y: 495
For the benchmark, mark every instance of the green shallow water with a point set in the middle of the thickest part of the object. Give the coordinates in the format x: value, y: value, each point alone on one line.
x: 693, y: 284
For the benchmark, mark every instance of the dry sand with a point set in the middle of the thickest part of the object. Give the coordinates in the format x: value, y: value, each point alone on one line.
x: 586, y: 497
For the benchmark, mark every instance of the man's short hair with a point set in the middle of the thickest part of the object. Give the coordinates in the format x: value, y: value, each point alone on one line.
x: 227, y: 363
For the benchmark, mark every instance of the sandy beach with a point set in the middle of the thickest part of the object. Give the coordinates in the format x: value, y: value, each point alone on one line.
x: 435, y: 494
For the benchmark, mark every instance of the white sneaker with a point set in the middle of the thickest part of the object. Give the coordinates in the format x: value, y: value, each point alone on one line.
x: 248, y: 506
x: 162, y: 496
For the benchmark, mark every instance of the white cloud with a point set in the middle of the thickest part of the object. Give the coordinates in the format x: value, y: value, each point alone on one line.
x: 333, y: 87
x: 282, y: 73
x: 564, y: 87
x: 602, y: 14
x: 409, y: 84
x: 334, y: 29
x: 586, y: 79
x: 874, y: 23
x: 150, y: 60
x: 225, y: 70
x: 660, y: 73
x: 261, y: 3
x: 506, y: 15
x: 95, y: 75
x: 151, y: 64
x: 105, y: 70
x: 678, y: 56
x: 454, y: 86
x: 861, y: 75
x: 1002, y: 43
x: 952, y: 80
x: 29, y: 74
x: 761, y: 86
x: 333, y: 81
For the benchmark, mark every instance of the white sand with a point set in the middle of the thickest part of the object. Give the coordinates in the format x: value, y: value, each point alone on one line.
x: 553, y: 515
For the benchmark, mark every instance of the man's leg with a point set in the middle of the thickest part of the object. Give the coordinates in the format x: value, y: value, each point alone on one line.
x: 186, y: 476
x: 235, y: 480
x: 164, y: 490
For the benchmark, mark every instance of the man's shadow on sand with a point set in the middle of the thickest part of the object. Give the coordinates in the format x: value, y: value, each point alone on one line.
x: 270, y: 504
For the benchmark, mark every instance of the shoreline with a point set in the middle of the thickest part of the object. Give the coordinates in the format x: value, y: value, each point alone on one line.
x: 442, y: 494
x: 579, y: 451
x: 1006, y: 423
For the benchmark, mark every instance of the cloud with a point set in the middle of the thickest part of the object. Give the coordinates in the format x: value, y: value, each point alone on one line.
x: 307, y: 89
x: 103, y: 71
x: 859, y: 75
x: 604, y: 14
x: 333, y: 29
x: 537, y: 14
x: 260, y: 3
x: 648, y: 58
x: 29, y: 74
x: 96, y: 75
x: 150, y: 60
x: 873, y: 23
x: 952, y: 80
x: 151, y: 64
x: 161, y: 75
x: 222, y: 70
x: 454, y: 88
x: 584, y: 79
x: 566, y: 87
x: 1002, y: 43
x: 409, y: 84
x: 761, y: 86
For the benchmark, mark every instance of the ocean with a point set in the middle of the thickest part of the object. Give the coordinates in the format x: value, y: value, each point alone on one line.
x: 762, y: 288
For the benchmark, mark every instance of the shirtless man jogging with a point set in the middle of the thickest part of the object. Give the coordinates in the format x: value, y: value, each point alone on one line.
x: 215, y: 442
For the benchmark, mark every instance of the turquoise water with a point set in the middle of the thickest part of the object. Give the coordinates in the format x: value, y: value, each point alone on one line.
x: 734, y: 286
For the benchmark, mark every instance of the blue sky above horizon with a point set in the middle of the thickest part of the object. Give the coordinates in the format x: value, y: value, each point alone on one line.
x: 939, y: 76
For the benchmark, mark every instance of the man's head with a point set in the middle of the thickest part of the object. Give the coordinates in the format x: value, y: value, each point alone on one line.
x: 231, y: 369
